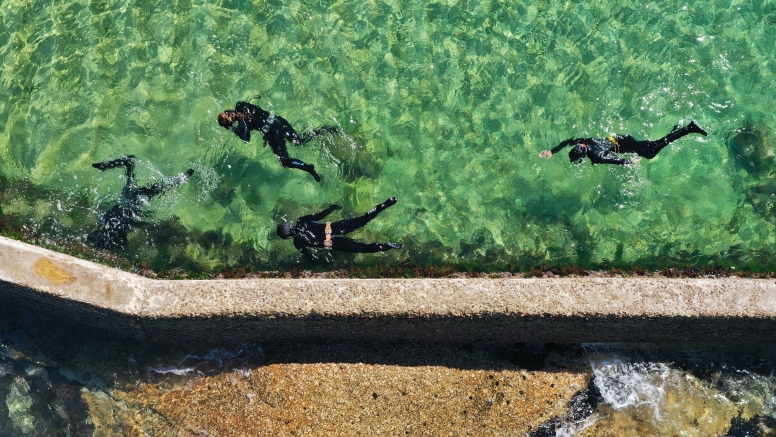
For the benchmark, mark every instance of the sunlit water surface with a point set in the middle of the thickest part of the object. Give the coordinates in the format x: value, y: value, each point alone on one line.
x: 442, y: 104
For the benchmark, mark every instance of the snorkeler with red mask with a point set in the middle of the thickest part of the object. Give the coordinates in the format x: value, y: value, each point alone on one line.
x: 310, y: 232
x: 607, y: 150
x: 274, y: 129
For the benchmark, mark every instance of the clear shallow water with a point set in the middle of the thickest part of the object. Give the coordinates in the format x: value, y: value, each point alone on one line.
x: 442, y: 104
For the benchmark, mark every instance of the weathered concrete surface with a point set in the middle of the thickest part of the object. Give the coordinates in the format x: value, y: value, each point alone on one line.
x: 734, y: 311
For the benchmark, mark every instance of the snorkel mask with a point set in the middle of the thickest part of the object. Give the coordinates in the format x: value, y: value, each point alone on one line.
x: 284, y: 230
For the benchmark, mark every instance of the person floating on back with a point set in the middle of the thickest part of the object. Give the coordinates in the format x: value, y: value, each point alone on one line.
x: 116, y: 222
x: 606, y: 150
x: 309, y: 232
x: 274, y: 129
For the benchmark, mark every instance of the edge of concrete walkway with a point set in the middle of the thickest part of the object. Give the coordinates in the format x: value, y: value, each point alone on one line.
x: 739, y: 312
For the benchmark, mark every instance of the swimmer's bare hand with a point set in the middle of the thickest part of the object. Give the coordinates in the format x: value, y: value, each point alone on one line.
x: 545, y: 154
x: 634, y: 160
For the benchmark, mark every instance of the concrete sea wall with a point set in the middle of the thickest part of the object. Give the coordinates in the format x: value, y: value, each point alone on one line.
x: 732, y: 311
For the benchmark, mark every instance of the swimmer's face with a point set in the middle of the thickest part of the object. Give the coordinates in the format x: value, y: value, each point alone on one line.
x: 226, y: 119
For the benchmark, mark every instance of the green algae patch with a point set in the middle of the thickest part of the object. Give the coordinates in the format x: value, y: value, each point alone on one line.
x: 19, y: 402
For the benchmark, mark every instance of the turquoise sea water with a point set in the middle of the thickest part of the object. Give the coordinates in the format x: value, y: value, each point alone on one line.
x: 444, y: 105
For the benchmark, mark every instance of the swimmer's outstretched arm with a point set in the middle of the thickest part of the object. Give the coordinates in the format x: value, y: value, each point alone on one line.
x: 127, y: 162
x: 559, y: 147
x: 321, y: 215
x: 564, y: 143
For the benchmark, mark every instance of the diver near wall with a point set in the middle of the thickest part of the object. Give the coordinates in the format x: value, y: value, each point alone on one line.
x: 606, y: 150
x: 115, y: 223
x: 275, y: 130
x: 309, y: 232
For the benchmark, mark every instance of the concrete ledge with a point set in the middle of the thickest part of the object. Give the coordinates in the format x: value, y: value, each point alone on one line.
x: 739, y: 312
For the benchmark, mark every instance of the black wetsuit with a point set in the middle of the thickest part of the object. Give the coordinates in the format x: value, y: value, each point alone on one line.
x: 276, y: 131
x: 115, y: 223
x: 606, y: 150
x: 309, y: 232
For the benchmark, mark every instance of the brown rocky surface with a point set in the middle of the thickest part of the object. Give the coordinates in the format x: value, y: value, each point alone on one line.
x: 341, y: 399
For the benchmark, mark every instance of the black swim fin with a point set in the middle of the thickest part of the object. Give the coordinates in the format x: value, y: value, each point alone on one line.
x: 693, y: 127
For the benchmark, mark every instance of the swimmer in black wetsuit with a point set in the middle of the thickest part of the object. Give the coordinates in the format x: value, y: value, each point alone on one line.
x: 116, y: 222
x: 308, y: 232
x: 275, y: 130
x: 606, y: 151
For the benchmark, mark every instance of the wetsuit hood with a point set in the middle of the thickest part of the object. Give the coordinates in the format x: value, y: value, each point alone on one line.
x: 284, y: 230
x: 578, y: 153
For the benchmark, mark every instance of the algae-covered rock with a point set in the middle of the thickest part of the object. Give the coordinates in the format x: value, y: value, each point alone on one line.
x: 353, y: 158
x: 748, y: 146
x: 109, y: 416
x: 19, y: 402
x: 753, y: 152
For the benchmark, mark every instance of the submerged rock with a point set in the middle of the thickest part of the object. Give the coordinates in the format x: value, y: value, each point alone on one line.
x: 353, y: 157
x: 19, y: 402
x: 752, y: 151
x: 749, y: 148
x: 580, y: 407
x: 744, y: 428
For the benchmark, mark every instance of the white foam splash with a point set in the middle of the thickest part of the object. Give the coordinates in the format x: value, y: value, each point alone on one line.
x: 218, y: 357
x: 625, y: 384
x: 180, y: 371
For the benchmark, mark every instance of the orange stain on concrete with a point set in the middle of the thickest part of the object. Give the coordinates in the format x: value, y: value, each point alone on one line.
x: 53, y: 273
